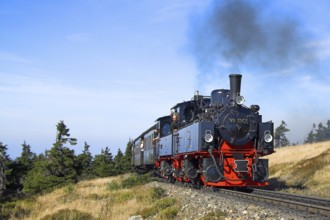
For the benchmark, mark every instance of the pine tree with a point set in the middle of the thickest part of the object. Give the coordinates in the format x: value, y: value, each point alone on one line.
x: 103, y: 164
x: 119, y: 162
x: 27, y: 157
x: 310, y: 137
x: 127, y: 166
x: 279, y: 136
x: 39, y: 179
x: 20, y: 167
x: 56, y: 167
x: 3, y: 159
x: 62, y: 158
x: 85, y: 162
x: 63, y: 135
x: 3, y: 151
x: 8, y: 177
x: 327, y: 133
x: 320, y: 133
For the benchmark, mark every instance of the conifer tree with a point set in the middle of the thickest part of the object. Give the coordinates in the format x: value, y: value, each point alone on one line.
x: 27, y: 157
x: 310, y: 137
x: 119, y: 162
x: 327, y: 132
x: 279, y: 136
x: 3, y: 151
x: 8, y: 167
x: 20, y: 167
x: 62, y: 158
x: 320, y: 133
x: 103, y: 164
x: 56, y: 167
x: 127, y: 166
x: 85, y: 162
x: 3, y: 159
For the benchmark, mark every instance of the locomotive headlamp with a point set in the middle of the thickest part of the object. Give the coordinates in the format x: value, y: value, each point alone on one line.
x: 240, y: 100
x: 268, y: 137
x: 208, y: 138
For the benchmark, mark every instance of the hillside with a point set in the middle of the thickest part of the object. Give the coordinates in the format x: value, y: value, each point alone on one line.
x: 302, y: 169
x: 105, y: 198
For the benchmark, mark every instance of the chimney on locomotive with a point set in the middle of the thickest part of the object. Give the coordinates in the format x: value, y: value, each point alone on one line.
x: 235, y: 89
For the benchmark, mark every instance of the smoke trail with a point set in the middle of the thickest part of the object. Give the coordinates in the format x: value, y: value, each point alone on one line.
x: 236, y: 33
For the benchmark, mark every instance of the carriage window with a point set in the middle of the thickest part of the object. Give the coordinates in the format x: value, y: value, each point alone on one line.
x: 166, y: 129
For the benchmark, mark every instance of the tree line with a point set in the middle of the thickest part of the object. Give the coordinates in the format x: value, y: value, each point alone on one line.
x: 318, y: 133
x: 30, y: 173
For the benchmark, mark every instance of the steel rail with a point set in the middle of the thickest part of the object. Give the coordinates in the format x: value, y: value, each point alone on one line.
x: 270, y: 199
x: 294, y: 197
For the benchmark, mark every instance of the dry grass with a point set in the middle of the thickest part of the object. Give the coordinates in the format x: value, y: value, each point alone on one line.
x: 92, y: 198
x: 303, y: 169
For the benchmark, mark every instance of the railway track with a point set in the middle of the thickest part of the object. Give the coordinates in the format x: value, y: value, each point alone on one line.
x: 311, y: 205
x: 299, y: 198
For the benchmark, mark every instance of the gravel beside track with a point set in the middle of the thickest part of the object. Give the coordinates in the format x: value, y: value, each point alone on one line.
x: 195, y: 204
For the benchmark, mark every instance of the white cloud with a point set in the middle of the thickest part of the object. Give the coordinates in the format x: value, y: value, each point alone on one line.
x: 178, y: 9
x: 322, y: 47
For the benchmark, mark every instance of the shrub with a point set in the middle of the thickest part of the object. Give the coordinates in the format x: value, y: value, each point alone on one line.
x: 165, y: 202
x: 114, y: 185
x: 158, y: 207
x: 157, y: 193
x: 70, y: 188
x: 217, y: 214
x: 169, y: 213
x: 147, y: 212
x: 136, y: 180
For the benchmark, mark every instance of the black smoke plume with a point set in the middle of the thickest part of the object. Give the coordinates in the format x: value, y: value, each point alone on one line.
x: 237, y: 33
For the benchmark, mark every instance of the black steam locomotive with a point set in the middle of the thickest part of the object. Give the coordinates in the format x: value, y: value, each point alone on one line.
x: 210, y: 140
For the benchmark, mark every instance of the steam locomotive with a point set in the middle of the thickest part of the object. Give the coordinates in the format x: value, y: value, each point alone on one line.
x: 211, y: 141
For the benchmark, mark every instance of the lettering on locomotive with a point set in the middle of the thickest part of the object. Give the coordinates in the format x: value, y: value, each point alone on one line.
x: 213, y: 141
x: 242, y: 121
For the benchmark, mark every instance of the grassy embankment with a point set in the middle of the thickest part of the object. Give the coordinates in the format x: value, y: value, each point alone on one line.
x: 106, y: 198
x: 303, y: 169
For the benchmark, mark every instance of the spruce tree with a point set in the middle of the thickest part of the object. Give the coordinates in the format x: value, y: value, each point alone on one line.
x: 279, y: 136
x: 56, y: 167
x: 62, y: 158
x: 27, y: 157
x: 103, y: 164
x: 127, y: 166
x: 320, y: 133
x: 8, y: 177
x: 3, y: 159
x: 310, y: 137
x: 119, y: 162
x: 20, y: 167
x: 327, y: 132
x: 39, y: 179
x: 85, y: 162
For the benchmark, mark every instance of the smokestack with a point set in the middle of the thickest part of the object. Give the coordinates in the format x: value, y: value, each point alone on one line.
x: 235, y: 87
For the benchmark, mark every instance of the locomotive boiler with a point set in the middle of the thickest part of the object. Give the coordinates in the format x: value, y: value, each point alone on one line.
x: 208, y: 141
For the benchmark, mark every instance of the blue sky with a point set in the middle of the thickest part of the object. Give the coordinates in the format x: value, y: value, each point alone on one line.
x: 110, y: 68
